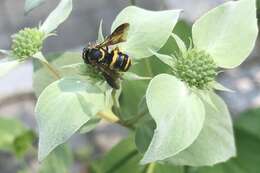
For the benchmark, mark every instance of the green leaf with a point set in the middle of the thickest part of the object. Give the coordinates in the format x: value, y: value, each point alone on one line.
x: 172, y: 104
x: 6, y: 66
x: 31, y: 4
x: 122, y: 158
x: 90, y: 125
x: 132, y: 76
x: 248, y: 156
x: 23, y: 142
x: 57, y: 16
x: 228, y: 32
x: 215, y: 143
x: 144, y: 134
x: 42, y: 77
x: 249, y: 121
x: 63, y: 108
x: 14, y: 136
x: 59, y: 161
x: 148, y: 30
x: 100, y: 33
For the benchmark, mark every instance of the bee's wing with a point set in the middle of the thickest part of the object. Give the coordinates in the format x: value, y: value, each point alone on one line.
x: 118, y: 36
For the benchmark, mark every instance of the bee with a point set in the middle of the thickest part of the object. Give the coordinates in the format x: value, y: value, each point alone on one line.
x: 110, y: 63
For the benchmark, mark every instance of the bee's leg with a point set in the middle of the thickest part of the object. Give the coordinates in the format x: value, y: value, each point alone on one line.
x: 117, y: 49
x: 112, y: 82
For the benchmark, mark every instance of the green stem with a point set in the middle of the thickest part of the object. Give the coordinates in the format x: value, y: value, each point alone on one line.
x: 151, y: 168
x: 116, y: 105
x: 132, y: 2
x: 46, y: 64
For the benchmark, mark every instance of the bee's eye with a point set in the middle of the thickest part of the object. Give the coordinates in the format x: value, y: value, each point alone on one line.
x: 97, y: 54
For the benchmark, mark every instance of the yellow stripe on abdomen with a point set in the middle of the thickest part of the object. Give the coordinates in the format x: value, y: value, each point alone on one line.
x: 127, y: 64
x: 114, y: 58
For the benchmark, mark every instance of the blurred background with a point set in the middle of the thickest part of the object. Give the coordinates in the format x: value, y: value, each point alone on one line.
x: 16, y: 93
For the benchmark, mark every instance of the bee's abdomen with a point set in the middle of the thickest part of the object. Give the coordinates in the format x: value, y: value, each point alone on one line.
x: 118, y: 60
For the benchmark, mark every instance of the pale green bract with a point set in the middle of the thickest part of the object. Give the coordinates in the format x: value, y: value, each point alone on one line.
x: 133, y: 76
x: 179, y: 115
x: 148, y: 30
x: 166, y: 59
x: 180, y: 43
x: 62, y: 108
x: 7, y: 65
x: 100, y: 33
x: 228, y: 32
x: 58, y: 16
x: 31, y: 4
x: 216, y: 141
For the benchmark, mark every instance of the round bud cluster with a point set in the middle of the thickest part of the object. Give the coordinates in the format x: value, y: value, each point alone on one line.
x: 27, y: 42
x: 196, y: 68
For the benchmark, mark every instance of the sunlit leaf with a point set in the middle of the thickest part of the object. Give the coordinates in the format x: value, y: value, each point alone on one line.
x: 247, y: 132
x: 228, y: 32
x: 172, y: 117
x: 148, y: 29
x: 215, y: 142
x: 57, y: 16
x: 62, y: 109
x: 31, y: 4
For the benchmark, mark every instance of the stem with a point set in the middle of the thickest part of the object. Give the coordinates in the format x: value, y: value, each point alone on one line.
x: 46, y: 64
x: 53, y: 71
x: 132, y: 2
x: 150, y: 168
x: 116, y: 105
x: 108, y: 116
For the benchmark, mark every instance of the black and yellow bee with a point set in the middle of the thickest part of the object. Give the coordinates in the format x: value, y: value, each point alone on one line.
x: 110, y: 63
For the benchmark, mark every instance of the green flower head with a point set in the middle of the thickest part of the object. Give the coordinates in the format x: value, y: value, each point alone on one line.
x: 196, y: 68
x: 27, y: 42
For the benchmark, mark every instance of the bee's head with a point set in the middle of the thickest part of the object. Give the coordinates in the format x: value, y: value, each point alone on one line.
x: 91, y: 55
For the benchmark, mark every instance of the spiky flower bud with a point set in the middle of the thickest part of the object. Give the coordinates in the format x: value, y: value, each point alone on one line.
x: 27, y: 42
x: 196, y: 68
